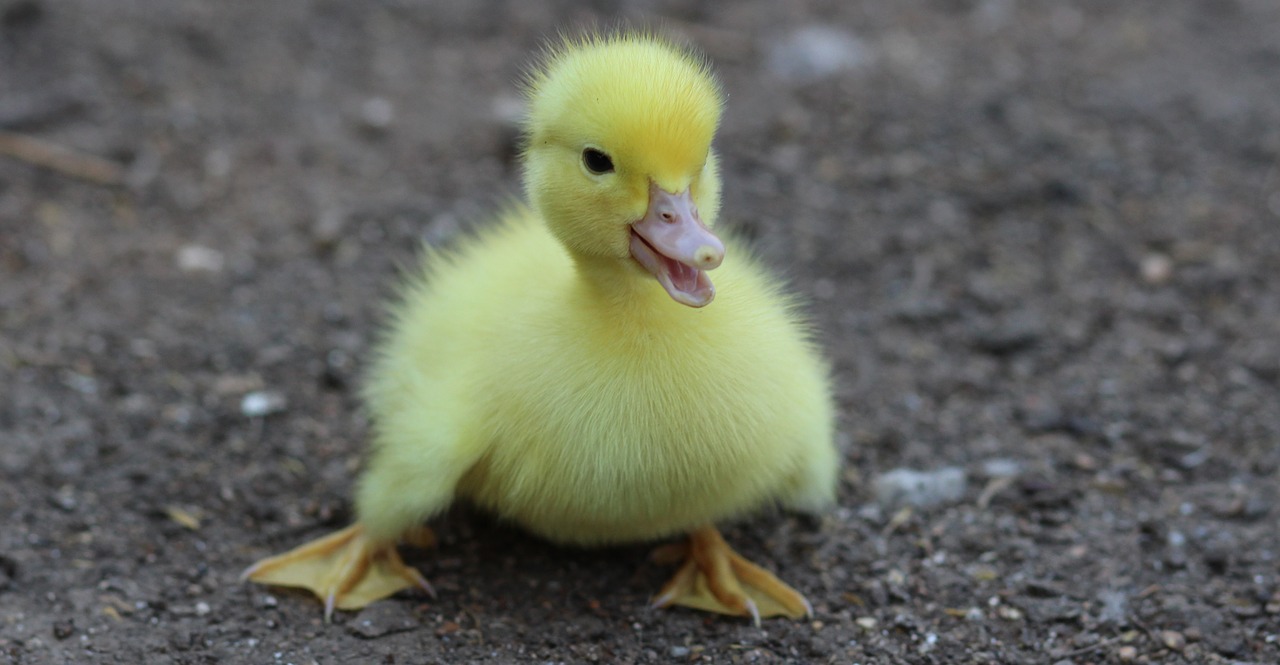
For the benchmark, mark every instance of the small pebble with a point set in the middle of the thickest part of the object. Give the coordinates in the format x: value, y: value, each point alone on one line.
x: 262, y: 403
x: 1115, y: 607
x: 1013, y: 334
x: 920, y: 489
x: 63, y: 628
x: 202, y: 608
x: 329, y: 227
x: 867, y: 623
x: 816, y: 51
x: 1156, y: 269
x: 1001, y: 467
x: 1126, y: 653
x: 218, y: 163
x: 65, y: 498
x: 1173, y: 639
x: 197, y: 258
x: 377, y: 113
x: 1009, y: 613
x: 1085, y: 462
x: 679, y: 652
x: 381, y: 619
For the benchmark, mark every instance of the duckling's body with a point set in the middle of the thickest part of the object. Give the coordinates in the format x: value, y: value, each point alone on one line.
x: 595, y: 416
x: 567, y: 369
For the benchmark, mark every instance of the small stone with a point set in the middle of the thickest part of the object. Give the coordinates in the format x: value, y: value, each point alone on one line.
x: 377, y: 114
x: 679, y: 651
x: 1156, y: 269
x: 1243, y: 607
x: 1009, y: 613
x: 1044, y: 589
x: 1127, y: 653
x: 1115, y: 608
x: 64, y: 498
x: 1015, y: 333
x: 63, y: 628
x: 218, y: 163
x: 262, y: 403
x: 1176, y: 554
x: 378, y: 620
x: 8, y: 572
x: 1001, y: 467
x: 1085, y: 462
x: 202, y: 608
x: 867, y: 623
x: 1085, y: 639
x: 1172, y: 639
x: 329, y: 228
x: 814, y: 52
x: 920, y: 489
x: 197, y: 258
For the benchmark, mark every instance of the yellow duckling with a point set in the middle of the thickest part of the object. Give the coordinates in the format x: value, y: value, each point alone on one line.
x: 567, y: 369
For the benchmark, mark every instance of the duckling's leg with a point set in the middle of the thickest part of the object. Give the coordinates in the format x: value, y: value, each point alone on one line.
x: 345, y: 569
x: 715, y: 578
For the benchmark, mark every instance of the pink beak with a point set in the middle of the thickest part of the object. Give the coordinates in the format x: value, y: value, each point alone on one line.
x: 672, y: 243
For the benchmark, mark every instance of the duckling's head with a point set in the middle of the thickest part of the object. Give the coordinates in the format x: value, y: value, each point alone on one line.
x: 618, y: 158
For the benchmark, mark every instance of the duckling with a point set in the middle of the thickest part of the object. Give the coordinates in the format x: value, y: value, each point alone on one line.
x: 568, y: 370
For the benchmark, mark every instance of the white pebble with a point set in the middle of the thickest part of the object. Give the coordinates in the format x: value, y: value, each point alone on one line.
x: 262, y: 403
x: 197, y: 258
x: 377, y: 113
x: 920, y: 489
x: 815, y: 51
x: 1001, y: 467
x: 1156, y: 269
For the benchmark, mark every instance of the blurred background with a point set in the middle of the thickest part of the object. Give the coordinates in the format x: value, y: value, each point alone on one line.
x: 1038, y: 241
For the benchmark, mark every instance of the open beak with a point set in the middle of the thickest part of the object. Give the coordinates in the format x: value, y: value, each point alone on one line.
x: 672, y: 244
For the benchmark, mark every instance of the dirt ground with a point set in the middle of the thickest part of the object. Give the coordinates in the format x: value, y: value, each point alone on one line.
x: 1039, y: 239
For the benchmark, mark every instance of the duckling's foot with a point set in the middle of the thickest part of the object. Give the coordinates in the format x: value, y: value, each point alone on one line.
x: 715, y: 578
x: 344, y: 569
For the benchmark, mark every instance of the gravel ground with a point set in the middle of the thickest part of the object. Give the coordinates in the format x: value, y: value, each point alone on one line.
x: 1039, y: 239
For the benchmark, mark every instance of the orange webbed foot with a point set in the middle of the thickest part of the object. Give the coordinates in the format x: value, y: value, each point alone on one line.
x: 344, y: 569
x: 715, y: 578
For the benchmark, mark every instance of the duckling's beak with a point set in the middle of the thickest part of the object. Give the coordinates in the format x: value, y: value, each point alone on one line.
x: 672, y: 243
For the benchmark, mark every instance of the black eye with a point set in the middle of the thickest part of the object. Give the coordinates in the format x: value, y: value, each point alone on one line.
x: 597, y: 162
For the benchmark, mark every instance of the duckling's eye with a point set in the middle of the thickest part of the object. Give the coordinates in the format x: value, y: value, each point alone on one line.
x: 597, y: 162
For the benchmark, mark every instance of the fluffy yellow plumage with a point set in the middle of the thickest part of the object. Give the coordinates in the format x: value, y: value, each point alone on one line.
x: 541, y: 371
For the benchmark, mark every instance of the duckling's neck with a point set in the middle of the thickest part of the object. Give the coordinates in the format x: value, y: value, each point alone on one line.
x: 621, y: 289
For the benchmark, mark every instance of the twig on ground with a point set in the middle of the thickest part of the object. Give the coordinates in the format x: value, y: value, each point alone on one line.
x: 61, y: 159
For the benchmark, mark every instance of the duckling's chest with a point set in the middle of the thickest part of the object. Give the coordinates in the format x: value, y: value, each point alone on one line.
x: 595, y: 440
